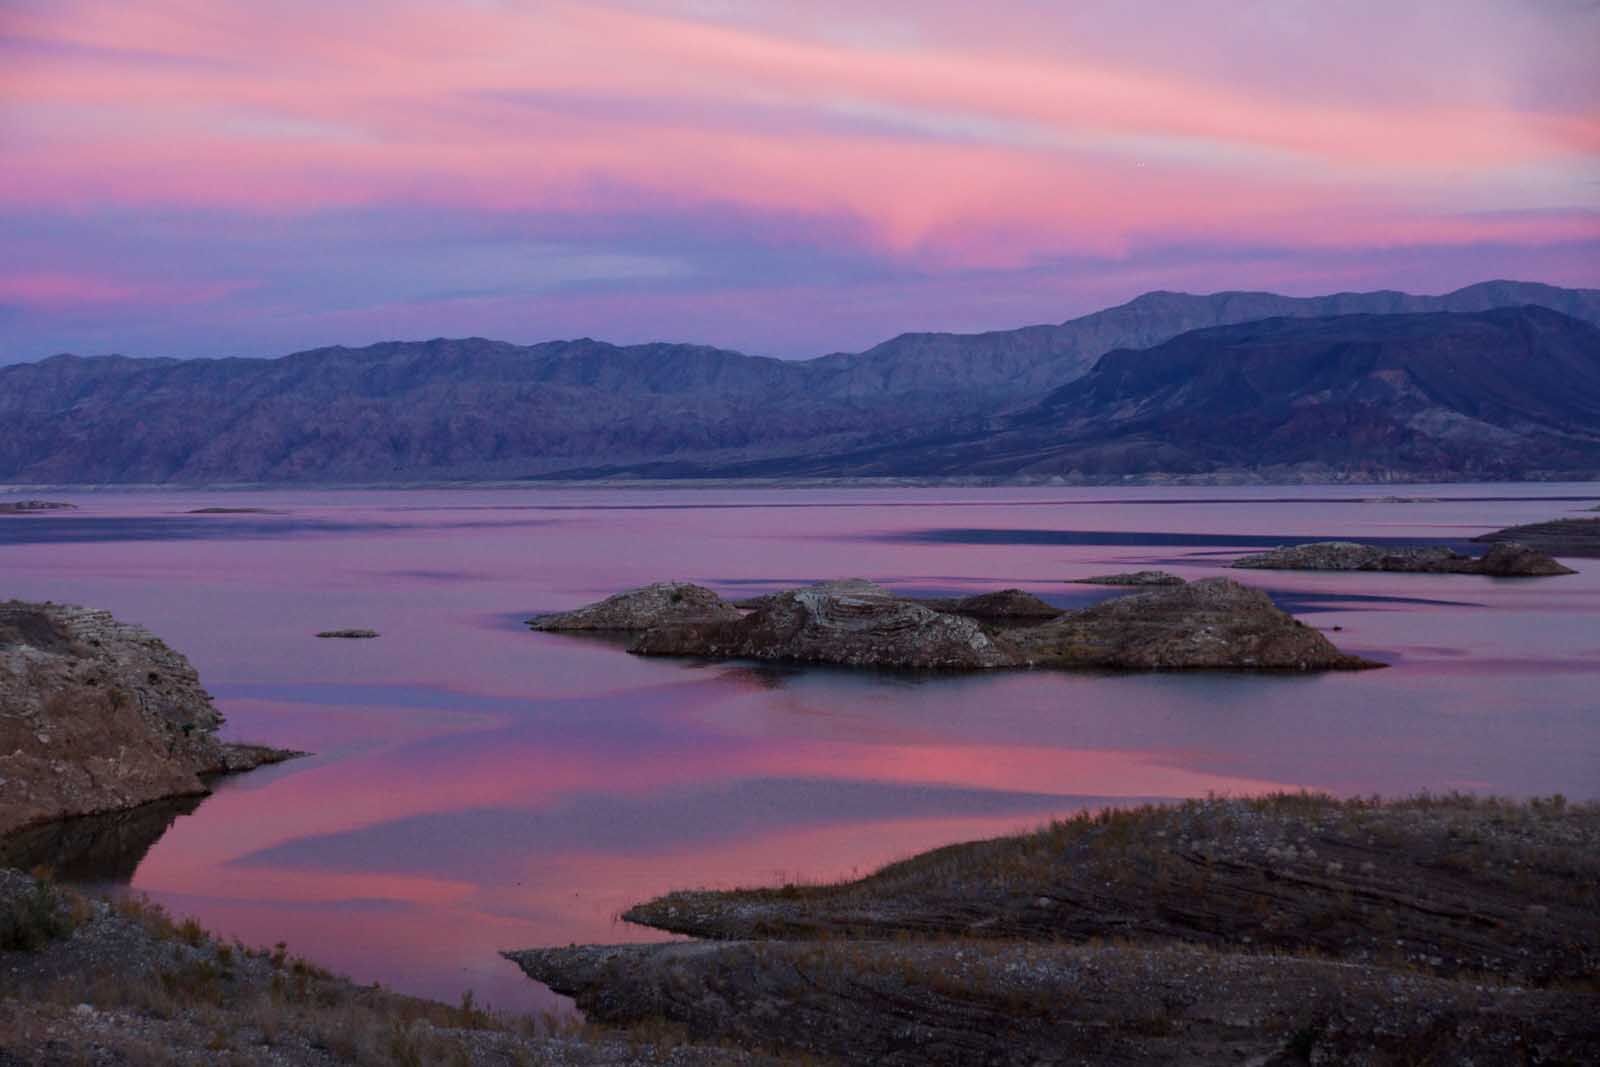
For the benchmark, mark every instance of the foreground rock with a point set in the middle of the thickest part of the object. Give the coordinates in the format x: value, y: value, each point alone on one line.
x: 1131, y: 578
x: 640, y: 609
x: 1508, y: 560
x: 955, y: 1002
x: 1276, y: 930
x: 97, y: 982
x: 99, y: 715
x: 1450, y: 885
x: 1562, y: 537
x: 1211, y: 624
x: 28, y: 507
x: 854, y: 623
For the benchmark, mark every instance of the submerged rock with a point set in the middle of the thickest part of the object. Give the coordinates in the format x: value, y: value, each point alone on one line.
x: 100, y: 715
x: 1562, y: 537
x: 640, y: 609
x: 1505, y: 561
x: 1131, y: 578
x: 852, y: 622
x: 1002, y: 604
x: 1215, y: 623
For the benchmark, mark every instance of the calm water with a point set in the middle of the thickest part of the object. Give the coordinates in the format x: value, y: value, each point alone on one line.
x: 478, y: 787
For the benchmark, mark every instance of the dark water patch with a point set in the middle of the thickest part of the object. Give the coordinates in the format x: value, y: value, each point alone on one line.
x: 1304, y: 603
x: 94, y: 849
x: 488, y: 842
x: 100, y: 530
x: 878, y: 504
x: 1128, y: 538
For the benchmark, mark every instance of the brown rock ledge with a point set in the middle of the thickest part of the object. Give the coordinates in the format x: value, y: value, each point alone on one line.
x: 99, y: 715
x: 1276, y: 930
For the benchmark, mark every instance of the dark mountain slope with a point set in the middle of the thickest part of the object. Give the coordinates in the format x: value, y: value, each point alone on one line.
x: 1009, y: 365
x: 1508, y: 393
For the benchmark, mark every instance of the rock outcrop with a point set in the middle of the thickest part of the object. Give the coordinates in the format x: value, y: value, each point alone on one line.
x: 1212, y: 624
x: 953, y: 1003
x: 854, y: 623
x: 1578, y: 538
x: 1000, y: 605
x: 1131, y: 578
x: 99, y: 715
x: 1274, y: 930
x: 660, y: 604
x: 1505, y: 560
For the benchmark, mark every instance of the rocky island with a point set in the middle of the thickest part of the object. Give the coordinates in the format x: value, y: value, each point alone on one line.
x: 1504, y: 560
x: 1212, y: 624
x: 1561, y: 537
x: 100, y: 715
x: 30, y: 507
x: 1140, y: 578
x: 1286, y: 929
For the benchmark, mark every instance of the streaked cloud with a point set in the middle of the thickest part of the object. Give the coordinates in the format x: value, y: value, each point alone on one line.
x: 339, y: 161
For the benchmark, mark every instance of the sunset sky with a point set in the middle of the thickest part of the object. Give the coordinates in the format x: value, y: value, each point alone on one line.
x: 237, y: 177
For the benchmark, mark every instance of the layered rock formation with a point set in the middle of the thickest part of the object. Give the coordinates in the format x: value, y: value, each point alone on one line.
x: 1211, y: 624
x: 1503, y: 560
x: 1276, y: 930
x: 1562, y: 537
x: 99, y: 715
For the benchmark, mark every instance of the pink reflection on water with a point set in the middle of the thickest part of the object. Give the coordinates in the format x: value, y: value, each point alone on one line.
x: 479, y: 787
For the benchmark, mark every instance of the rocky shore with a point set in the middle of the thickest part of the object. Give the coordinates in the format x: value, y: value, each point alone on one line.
x: 1212, y: 624
x: 100, y: 715
x: 92, y: 981
x: 1507, y: 559
x: 1285, y: 929
x: 1578, y: 538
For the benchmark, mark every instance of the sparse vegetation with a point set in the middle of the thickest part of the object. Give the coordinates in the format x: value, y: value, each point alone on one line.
x: 120, y: 981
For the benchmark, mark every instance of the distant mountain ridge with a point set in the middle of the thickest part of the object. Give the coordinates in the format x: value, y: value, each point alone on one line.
x: 1509, y: 393
x: 477, y: 408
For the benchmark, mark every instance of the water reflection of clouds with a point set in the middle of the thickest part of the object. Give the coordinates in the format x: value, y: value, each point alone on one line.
x: 498, y: 842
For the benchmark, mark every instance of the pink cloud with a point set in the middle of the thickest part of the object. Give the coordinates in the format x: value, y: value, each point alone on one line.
x: 61, y: 291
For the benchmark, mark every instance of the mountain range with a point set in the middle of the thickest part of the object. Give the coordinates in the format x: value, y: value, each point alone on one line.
x: 1500, y: 379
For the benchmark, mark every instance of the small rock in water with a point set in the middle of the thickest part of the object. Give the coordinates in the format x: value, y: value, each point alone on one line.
x: 1130, y: 578
x: 351, y: 634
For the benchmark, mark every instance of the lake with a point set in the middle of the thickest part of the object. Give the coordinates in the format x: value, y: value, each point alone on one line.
x: 477, y: 787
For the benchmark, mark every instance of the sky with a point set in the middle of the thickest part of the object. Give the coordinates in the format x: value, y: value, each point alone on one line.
x: 236, y: 177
